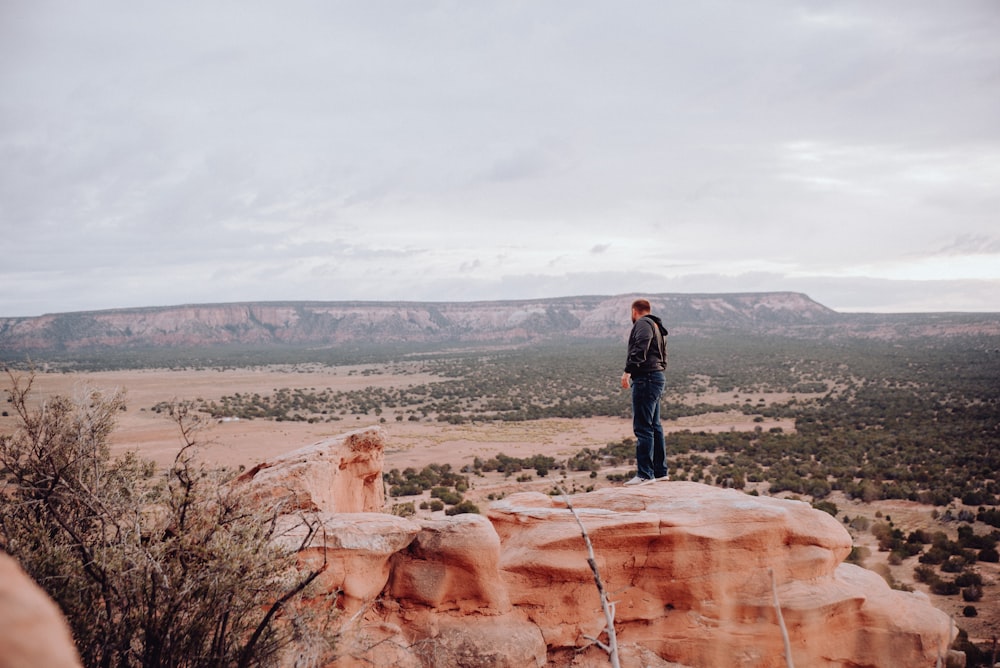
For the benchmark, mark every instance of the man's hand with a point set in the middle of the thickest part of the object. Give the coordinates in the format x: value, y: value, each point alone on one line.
x: 626, y: 380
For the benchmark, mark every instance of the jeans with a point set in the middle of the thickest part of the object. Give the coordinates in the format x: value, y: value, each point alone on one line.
x: 650, y: 448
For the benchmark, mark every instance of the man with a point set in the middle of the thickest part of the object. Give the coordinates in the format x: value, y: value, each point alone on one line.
x: 644, y: 367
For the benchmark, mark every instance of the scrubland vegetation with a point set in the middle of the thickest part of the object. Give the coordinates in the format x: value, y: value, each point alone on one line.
x: 914, y: 419
x: 179, y: 569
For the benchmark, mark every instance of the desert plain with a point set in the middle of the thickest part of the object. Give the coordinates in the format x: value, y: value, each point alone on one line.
x: 243, y: 443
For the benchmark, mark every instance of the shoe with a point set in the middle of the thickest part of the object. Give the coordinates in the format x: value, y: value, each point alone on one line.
x: 662, y: 478
x: 636, y: 481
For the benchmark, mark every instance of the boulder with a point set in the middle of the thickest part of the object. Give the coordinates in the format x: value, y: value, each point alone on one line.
x: 33, y: 631
x: 693, y: 571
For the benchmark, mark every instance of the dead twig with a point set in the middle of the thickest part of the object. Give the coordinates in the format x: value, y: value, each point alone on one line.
x: 608, y: 606
x: 781, y: 621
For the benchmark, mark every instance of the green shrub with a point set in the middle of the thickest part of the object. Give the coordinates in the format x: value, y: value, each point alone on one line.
x: 968, y: 578
x: 972, y: 593
x: 944, y: 588
x: 858, y: 554
x: 404, y: 509
x: 826, y: 506
x: 925, y: 574
x: 176, y: 570
x: 463, y: 507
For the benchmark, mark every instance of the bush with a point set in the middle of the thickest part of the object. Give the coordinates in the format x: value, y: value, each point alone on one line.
x: 406, y: 489
x: 944, y: 588
x: 989, y: 555
x: 860, y: 523
x: 858, y: 554
x: 446, y: 495
x: 954, y: 564
x: 404, y: 509
x: 934, y: 556
x: 969, y: 611
x: 968, y: 578
x: 925, y: 574
x: 179, y: 570
x: 972, y: 594
x: 991, y: 517
x: 463, y: 507
x: 826, y: 506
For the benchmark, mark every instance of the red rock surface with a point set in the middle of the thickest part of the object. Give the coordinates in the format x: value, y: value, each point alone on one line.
x: 342, y: 474
x: 32, y: 629
x: 688, y: 566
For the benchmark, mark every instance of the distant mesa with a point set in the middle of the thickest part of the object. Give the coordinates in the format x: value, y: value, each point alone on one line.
x: 332, y: 324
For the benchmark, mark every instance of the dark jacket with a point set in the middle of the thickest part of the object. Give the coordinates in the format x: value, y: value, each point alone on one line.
x: 647, y: 346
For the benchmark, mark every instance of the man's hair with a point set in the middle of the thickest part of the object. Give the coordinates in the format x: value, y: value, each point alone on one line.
x: 642, y: 305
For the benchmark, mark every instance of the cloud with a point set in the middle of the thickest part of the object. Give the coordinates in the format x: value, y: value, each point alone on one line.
x: 973, y: 244
x: 176, y: 153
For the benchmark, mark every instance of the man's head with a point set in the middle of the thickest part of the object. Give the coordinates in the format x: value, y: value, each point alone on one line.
x: 640, y: 307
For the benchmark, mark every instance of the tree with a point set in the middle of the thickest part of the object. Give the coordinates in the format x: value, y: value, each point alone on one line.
x: 178, y: 569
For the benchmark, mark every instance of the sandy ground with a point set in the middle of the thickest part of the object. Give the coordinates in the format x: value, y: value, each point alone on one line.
x: 416, y: 444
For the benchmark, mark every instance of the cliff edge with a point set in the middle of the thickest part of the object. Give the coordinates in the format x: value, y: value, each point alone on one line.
x: 693, y: 572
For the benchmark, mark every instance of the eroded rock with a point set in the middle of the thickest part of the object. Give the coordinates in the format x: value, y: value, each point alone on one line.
x: 341, y: 474
x: 692, y: 571
x: 33, y: 631
x: 690, y: 568
x: 452, y: 563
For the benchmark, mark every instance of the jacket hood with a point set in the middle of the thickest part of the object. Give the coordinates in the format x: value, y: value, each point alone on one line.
x: 659, y: 323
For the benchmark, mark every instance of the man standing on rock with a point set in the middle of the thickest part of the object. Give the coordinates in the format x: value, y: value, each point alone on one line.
x: 644, y: 367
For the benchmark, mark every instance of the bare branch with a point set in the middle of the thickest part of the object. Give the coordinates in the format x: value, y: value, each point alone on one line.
x: 781, y: 621
x: 607, y: 606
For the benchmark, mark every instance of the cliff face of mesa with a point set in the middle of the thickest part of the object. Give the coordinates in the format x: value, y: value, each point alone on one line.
x: 336, y: 323
x: 693, y: 571
x: 332, y: 324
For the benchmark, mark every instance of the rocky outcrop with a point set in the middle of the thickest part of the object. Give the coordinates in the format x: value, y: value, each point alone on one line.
x: 33, y: 631
x: 691, y: 567
x: 693, y: 571
x: 342, y: 474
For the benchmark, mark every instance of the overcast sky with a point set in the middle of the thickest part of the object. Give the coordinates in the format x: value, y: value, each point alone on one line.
x: 157, y: 153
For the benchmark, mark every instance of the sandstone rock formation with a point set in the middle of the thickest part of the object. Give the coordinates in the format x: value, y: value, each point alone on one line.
x: 692, y: 569
x: 32, y: 629
x: 339, y: 475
